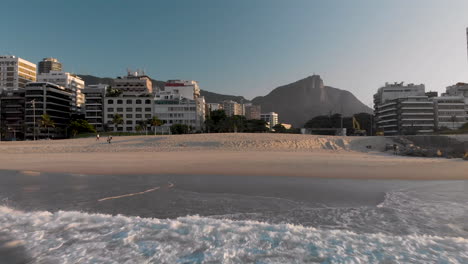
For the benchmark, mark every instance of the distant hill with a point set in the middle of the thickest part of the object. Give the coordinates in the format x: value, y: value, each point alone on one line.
x: 210, y: 97
x: 298, y: 102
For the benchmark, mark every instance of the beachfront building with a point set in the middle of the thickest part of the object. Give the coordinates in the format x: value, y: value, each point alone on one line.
x: 450, y: 111
x: 180, y: 103
x: 232, y: 108
x: 16, y: 72
x: 133, y: 110
x: 49, y: 64
x: 70, y: 82
x: 271, y: 118
x: 403, y: 109
x: 94, y: 105
x: 252, y: 111
x: 12, y: 114
x: 134, y: 84
x: 51, y: 99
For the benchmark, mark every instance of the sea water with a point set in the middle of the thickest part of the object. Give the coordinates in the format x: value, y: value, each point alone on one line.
x: 418, y: 222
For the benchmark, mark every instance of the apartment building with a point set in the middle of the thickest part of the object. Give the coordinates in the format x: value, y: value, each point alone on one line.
x: 232, y: 108
x: 271, y: 118
x: 70, y: 82
x: 253, y: 111
x: 213, y: 106
x: 134, y: 84
x: 450, y: 111
x: 51, y: 99
x: 16, y: 72
x: 12, y: 114
x: 181, y: 103
x: 94, y: 105
x: 401, y: 109
x: 49, y: 64
x: 132, y: 110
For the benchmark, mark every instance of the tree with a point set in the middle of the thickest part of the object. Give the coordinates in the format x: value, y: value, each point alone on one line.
x: 111, y: 92
x: 80, y: 126
x: 144, y: 125
x: 155, y: 122
x: 47, y: 122
x: 255, y: 125
x: 179, y: 129
x: 117, y: 120
x: 279, y: 128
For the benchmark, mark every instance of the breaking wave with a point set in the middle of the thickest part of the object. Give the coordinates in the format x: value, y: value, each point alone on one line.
x: 76, y: 237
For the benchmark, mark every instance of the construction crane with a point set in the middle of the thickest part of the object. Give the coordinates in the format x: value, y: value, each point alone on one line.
x: 357, y: 128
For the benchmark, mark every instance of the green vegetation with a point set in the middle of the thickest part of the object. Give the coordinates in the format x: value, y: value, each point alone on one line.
x: 111, y: 92
x: 334, y: 121
x: 117, y: 120
x: 178, y: 129
x: 47, y: 123
x: 155, y: 122
x: 446, y: 131
x: 80, y: 126
x: 218, y: 122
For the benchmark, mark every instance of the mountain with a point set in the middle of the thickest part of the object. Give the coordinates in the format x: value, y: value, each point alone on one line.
x: 210, y: 97
x: 298, y: 102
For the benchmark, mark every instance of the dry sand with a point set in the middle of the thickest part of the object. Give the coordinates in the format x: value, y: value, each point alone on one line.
x: 227, y: 154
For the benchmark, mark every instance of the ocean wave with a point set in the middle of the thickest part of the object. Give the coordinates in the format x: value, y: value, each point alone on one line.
x: 76, y: 237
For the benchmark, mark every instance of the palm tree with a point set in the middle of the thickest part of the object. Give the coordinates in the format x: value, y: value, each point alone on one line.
x: 47, y: 122
x: 117, y: 120
x: 143, y: 124
x: 155, y: 122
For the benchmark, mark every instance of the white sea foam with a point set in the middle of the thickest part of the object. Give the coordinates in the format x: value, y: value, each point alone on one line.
x: 75, y: 237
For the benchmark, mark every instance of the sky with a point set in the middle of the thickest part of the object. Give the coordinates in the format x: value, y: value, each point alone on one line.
x: 248, y: 47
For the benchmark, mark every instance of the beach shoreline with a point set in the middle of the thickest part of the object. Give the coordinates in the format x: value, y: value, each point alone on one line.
x: 228, y: 154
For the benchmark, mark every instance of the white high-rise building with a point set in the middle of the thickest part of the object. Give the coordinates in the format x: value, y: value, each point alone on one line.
x: 271, y: 118
x: 71, y: 82
x: 15, y: 73
x: 232, y: 108
x: 186, y: 89
x: 135, y: 83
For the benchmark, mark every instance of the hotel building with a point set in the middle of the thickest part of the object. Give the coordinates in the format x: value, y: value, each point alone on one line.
x: 70, y: 82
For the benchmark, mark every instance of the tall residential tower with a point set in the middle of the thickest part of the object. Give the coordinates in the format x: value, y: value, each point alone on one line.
x: 15, y: 73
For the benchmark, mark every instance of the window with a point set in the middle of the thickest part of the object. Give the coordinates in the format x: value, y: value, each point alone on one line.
x: 110, y: 116
x: 119, y: 102
x: 147, y: 109
x: 119, y: 109
x: 138, y: 101
x: 129, y: 122
x: 129, y: 128
x: 128, y: 115
x: 147, y: 101
x: 110, y: 109
x: 129, y: 101
x: 138, y: 109
x: 129, y: 109
x: 120, y: 129
x: 148, y: 116
x: 138, y: 115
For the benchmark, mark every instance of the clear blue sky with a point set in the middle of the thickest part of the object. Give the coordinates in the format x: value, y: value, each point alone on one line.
x: 248, y: 47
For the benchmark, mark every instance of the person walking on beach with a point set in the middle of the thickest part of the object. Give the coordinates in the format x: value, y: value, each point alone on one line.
x: 97, y: 137
x: 109, y: 139
x: 395, y: 149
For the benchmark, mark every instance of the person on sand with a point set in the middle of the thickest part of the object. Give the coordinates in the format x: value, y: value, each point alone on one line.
x: 395, y: 149
x: 97, y: 137
x: 109, y: 139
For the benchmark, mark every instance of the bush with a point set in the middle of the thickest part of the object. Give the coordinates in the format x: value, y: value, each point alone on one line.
x: 180, y: 129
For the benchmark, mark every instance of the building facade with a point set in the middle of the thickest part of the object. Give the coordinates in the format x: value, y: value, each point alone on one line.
x: 134, y: 84
x: 12, y: 113
x: 51, y: 99
x: 133, y: 110
x: 232, y: 108
x: 450, y: 111
x: 49, y: 64
x: 70, y: 82
x: 15, y: 73
x: 94, y: 105
x: 253, y: 112
x: 271, y: 118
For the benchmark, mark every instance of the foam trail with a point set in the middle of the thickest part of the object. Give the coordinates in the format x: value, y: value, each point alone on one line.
x: 98, y: 238
x: 133, y: 194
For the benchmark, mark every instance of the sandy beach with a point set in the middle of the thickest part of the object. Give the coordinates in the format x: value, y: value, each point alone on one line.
x: 227, y: 154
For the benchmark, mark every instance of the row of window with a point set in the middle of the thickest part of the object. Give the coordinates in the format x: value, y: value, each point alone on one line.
x: 129, y: 101
x: 131, y: 116
x: 129, y: 109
